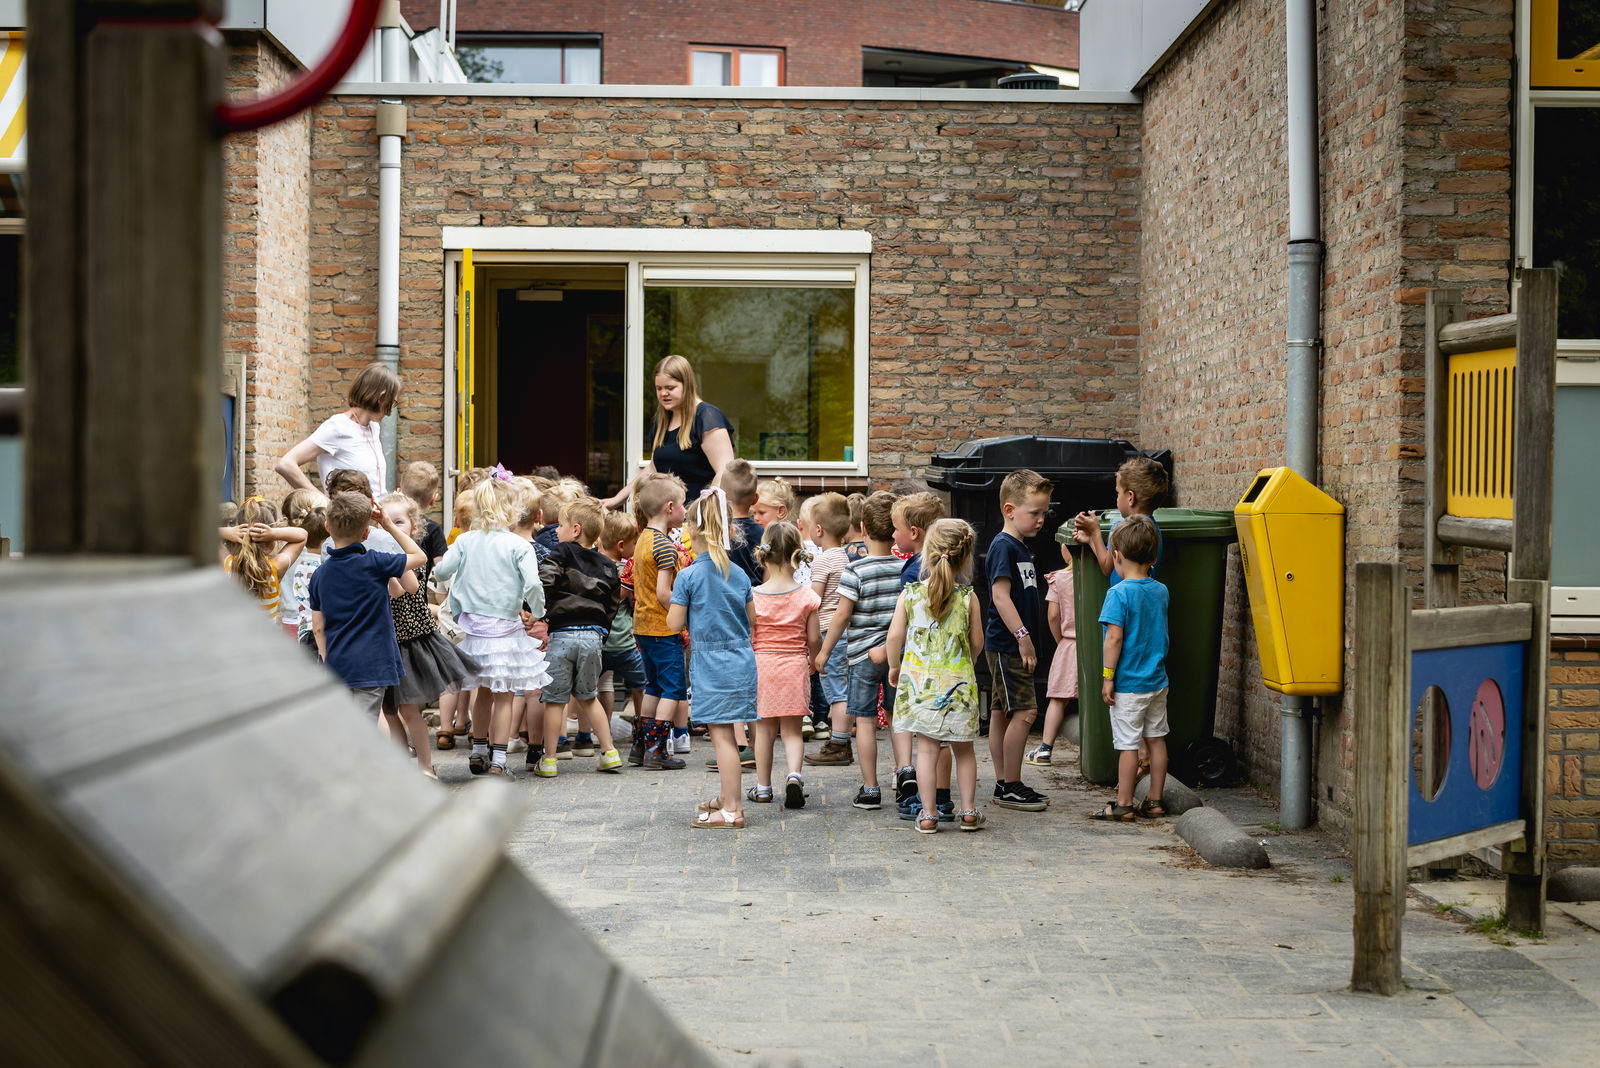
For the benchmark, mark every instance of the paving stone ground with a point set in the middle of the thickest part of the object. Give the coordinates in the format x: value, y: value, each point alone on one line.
x: 832, y: 936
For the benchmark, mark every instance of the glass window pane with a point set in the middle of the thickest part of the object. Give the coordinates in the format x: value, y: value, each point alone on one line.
x: 758, y: 68
x: 711, y: 68
x: 1576, y: 507
x: 1566, y: 213
x: 779, y: 362
x: 1578, y: 29
x: 583, y: 65
x: 530, y: 62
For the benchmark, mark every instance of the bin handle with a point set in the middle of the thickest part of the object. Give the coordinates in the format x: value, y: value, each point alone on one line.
x: 953, y: 479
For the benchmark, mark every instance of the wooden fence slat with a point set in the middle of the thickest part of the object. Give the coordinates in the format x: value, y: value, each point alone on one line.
x: 1479, y: 624
x: 1457, y: 844
x: 1478, y: 335
x: 1381, y: 736
x: 1494, y: 534
x: 1442, y: 567
x: 1533, y: 464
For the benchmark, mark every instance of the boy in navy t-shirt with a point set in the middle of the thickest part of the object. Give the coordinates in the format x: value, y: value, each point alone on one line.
x: 349, y: 600
x: 1135, y: 684
x: 1015, y: 611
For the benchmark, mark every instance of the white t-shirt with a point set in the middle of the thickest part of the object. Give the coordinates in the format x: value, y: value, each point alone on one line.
x: 344, y: 443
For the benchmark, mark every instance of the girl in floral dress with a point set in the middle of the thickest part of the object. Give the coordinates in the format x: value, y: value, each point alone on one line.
x: 934, y: 641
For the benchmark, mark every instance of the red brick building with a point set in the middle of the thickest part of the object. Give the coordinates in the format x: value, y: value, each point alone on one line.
x: 759, y: 42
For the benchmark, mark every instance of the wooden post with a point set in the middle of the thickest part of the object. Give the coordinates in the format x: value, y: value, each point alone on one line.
x: 1442, y: 566
x: 1382, y: 692
x: 124, y: 278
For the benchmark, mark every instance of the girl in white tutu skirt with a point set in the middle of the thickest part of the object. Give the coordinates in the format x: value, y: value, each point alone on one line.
x: 496, y: 573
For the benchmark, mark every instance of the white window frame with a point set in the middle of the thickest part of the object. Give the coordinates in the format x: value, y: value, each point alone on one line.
x: 1573, y: 609
x: 806, y: 258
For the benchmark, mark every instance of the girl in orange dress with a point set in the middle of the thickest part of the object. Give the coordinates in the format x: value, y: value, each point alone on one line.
x: 785, y: 637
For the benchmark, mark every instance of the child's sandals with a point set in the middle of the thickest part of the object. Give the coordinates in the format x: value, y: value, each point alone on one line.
x: 444, y: 740
x: 721, y: 819
x: 1116, y: 813
x: 761, y: 795
x: 969, y: 819
x: 928, y: 821
x: 1153, y: 809
x: 709, y: 806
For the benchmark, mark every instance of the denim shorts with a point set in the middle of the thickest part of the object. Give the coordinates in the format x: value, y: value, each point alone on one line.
x: 574, y: 663
x: 836, y: 676
x: 865, y: 680
x: 663, y: 666
x: 626, y: 664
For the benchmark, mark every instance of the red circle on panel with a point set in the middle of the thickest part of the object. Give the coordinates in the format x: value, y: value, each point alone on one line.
x: 1486, y: 734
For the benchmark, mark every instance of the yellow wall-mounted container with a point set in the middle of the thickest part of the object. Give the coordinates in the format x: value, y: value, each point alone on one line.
x: 1291, y: 541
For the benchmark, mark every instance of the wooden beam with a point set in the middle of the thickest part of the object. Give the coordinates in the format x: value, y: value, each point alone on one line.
x: 1478, y: 335
x: 1477, y: 533
x: 1479, y: 624
x: 1524, y: 867
x: 1534, y: 422
x: 1442, y: 564
x: 1457, y: 844
x: 1383, y: 669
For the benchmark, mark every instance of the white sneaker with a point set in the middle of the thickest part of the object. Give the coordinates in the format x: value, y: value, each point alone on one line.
x: 680, y: 743
x: 621, y: 729
x: 517, y: 745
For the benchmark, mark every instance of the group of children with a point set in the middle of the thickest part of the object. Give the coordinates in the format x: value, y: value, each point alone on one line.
x: 781, y: 620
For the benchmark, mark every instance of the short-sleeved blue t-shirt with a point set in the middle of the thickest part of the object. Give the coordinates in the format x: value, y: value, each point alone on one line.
x: 1139, y: 607
x: 911, y: 571
x: 691, y: 464
x: 351, y: 590
x: 716, y: 604
x: 1010, y: 559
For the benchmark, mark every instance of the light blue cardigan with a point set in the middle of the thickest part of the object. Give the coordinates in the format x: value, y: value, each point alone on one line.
x: 496, y: 573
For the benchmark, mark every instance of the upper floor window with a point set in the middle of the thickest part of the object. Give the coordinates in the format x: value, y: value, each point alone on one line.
x: 731, y: 65
x: 547, y: 60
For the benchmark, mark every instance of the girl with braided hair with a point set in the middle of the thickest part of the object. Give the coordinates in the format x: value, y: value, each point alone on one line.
x: 934, y: 640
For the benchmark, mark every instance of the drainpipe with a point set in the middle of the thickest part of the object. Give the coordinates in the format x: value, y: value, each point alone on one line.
x: 1304, y: 345
x: 394, y: 55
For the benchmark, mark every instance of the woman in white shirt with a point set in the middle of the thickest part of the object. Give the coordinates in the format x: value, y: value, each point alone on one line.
x: 351, y: 438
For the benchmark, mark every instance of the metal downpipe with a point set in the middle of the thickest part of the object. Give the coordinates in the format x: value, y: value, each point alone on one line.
x: 395, y: 65
x: 1304, y: 322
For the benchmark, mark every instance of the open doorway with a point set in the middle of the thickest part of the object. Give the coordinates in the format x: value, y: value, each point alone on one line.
x: 551, y: 370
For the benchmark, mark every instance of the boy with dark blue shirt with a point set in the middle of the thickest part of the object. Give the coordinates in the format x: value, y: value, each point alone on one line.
x: 349, y: 600
x: 1015, y: 611
x: 1134, y: 618
x: 739, y: 483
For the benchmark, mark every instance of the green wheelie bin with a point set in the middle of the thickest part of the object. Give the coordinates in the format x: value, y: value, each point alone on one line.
x: 1194, y: 568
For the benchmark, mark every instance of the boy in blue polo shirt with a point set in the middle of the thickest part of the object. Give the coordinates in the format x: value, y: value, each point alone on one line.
x: 349, y: 600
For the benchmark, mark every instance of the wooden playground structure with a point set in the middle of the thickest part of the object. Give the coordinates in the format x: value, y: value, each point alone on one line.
x: 1450, y: 698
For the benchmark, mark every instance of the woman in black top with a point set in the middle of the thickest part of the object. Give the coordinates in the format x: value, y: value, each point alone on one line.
x: 692, y: 439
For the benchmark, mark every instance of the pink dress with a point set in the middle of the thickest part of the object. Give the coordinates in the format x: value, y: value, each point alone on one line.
x: 783, y: 669
x: 1063, y: 681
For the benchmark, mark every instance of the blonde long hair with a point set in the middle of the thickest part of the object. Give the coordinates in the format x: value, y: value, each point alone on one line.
x: 680, y: 369
x: 946, y: 551
x: 252, y: 560
x: 705, y: 515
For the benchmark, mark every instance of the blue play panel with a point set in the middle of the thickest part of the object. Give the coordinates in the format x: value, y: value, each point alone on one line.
x: 1483, y: 689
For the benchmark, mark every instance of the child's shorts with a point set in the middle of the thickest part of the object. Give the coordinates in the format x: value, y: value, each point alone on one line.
x: 1011, y: 685
x: 574, y: 666
x: 626, y: 665
x: 836, y: 676
x: 1137, y: 715
x: 663, y: 666
x: 369, y: 699
x: 865, y: 680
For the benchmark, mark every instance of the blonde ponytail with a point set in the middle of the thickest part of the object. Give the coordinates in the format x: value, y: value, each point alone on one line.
x: 706, y: 515
x: 946, y: 551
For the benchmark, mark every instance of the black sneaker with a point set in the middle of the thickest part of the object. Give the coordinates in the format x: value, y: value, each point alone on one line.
x: 535, y: 754
x: 999, y: 789
x: 1019, y: 797
x: 563, y: 748
x: 905, y: 786
x: 1031, y: 792
x: 868, y: 799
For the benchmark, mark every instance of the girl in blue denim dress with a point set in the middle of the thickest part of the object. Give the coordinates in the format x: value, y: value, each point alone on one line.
x: 712, y: 598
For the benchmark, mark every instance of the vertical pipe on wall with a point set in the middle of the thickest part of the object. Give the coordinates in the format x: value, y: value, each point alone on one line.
x: 395, y: 61
x: 1304, y: 349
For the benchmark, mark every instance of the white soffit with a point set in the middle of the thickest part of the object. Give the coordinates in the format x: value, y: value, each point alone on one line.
x: 653, y: 239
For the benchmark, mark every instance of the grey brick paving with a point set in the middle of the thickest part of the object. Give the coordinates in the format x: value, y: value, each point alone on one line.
x: 833, y: 936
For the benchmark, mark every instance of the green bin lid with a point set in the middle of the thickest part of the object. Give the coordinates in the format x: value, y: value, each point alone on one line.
x: 1185, y: 524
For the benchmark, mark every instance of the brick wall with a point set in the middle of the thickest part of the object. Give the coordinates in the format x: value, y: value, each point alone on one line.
x: 1572, y: 756
x: 648, y: 44
x: 1415, y: 99
x: 1004, y: 276
x: 265, y: 281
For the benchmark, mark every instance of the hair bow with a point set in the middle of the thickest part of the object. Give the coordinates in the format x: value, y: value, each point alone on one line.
x: 257, y: 499
x: 500, y: 474
x: 722, y: 503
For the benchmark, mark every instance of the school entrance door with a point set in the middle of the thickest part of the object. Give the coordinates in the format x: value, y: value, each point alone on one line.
x: 545, y: 358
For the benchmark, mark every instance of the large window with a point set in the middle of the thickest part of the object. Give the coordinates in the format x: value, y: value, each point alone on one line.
x: 538, y: 60
x: 729, y: 65
x: 778, y: 359
x: 1559, y: 226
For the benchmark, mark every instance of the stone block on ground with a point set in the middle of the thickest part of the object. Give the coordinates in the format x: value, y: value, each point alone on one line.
x: 1219, y: 841
x: 1179, y: 798
x: 1575, y: 884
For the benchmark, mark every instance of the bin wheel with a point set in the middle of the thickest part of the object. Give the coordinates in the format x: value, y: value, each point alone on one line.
x: 1208, y: 762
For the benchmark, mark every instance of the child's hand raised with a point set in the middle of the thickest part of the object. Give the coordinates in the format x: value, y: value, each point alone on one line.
x: 1085, y: 525
x: 259, y: 532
